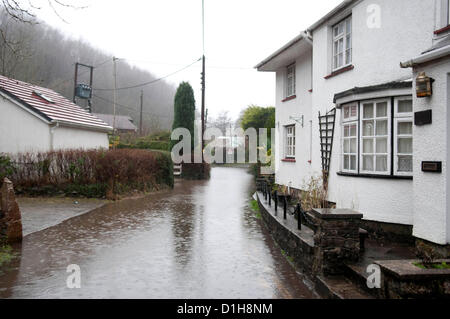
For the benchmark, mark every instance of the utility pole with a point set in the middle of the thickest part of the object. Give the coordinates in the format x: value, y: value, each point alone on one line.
x: 140, y: 120
x: 203, y: 77
x: 115, y: 95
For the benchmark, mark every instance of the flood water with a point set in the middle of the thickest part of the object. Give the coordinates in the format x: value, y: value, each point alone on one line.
x: 200, y: 240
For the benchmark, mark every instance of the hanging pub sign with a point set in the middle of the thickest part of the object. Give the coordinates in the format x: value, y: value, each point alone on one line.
x: 424, y: 85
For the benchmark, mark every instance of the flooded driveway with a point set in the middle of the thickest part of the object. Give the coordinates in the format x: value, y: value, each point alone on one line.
x: 200, y: 240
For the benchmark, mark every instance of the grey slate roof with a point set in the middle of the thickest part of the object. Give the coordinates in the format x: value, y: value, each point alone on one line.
x: 123, y: 123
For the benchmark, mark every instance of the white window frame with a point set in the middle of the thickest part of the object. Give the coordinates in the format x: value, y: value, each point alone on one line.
x: 388, y: 154
x: 349, y: 121
x: 290, y: 141
x: 290, y: 81
x: 400, y: 117
x: 444, y: 14
x: 336, y: 39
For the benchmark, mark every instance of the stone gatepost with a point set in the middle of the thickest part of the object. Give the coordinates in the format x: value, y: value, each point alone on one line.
x: 10, y: 217
x: 336, y: 240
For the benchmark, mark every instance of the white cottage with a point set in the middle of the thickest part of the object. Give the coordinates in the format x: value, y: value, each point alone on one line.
x: 347, y: 66
x: 37, y: 119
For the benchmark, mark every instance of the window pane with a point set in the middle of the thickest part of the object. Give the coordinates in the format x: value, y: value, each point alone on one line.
x: 382, y: 109
x: 405, y: 128
x: 348, y: 57
x: 353, y: 163
x: 347, y: 146
x: 346, y: 131
x: 382, y: 127
x: 405, y: 106
x: 368, y: 111
x: 346, y: 162
x: 340, y: 59
x: 348, y: 42
x: 368, y: 128
x: 354, y: 111
x: 405, y: 145
x: 348, y: 25
x: 381, y: 165
x: 341, y: 45
x: 346, y: 112
x: 353, y: 145
x: 368, y: 146
x: 382, y: 145
x: 368, y: 163
x: 353, y: 130
x: 405, y: 164
x: 335, y: 63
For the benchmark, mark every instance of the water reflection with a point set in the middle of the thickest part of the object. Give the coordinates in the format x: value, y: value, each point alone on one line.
x: 197, y: 241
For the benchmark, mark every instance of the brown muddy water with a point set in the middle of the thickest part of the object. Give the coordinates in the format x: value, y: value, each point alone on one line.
x: 200, y: 240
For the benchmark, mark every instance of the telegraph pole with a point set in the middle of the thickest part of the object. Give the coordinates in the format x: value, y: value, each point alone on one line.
x: 115, y: 95
x: 203, y: 77
x: 140, y: 120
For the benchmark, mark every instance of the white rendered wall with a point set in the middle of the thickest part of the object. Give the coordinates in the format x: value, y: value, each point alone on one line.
x: 293, y: 173
x: 21, y: 131
x: 72, y: 138
x: 432, y: 143
x: 406, y: 30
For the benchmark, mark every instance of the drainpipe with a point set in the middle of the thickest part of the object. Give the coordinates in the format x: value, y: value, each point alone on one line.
x: 53, y: 128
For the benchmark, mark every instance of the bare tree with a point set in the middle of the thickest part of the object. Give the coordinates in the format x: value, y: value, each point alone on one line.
x: 222, y: 122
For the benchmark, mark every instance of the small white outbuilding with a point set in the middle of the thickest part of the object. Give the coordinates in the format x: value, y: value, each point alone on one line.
x: 37, y: 119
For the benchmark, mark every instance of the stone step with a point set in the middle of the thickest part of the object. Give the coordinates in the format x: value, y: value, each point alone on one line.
x: 339, y: 287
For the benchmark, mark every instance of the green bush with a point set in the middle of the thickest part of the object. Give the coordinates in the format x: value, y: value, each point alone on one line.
x: 6, y: 167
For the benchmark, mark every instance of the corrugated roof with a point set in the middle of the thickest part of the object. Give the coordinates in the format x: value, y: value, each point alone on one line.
x: 50, y: 105
x: 122, y: 122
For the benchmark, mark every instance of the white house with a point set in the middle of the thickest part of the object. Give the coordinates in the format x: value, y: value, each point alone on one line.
x: 36, y: 119
x: 348, y: 62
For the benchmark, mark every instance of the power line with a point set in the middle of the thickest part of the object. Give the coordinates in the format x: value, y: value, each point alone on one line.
x: 130, y: 108
x: 81, y: 73
x: 153, y: 81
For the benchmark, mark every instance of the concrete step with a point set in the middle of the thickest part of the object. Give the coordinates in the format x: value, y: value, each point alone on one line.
x: 339, y: 287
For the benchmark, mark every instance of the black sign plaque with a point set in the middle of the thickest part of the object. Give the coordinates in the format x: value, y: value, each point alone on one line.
x: 432, y: 167
x: 423, y: 118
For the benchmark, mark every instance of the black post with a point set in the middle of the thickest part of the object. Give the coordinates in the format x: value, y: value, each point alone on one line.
x: 285, y: 208
x: 270, y: 198
x: 265, y: 191
x: 299, y: 211
x: 275, y: 197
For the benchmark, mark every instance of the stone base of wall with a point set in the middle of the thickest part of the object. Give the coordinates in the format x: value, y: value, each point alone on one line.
x: 301, y: 252
x: 438, y: 251
x: 10, y: 217
x: 401, y: 279
x: 388, y: 232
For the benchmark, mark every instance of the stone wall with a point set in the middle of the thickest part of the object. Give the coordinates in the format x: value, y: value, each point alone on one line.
x: 10, y: 217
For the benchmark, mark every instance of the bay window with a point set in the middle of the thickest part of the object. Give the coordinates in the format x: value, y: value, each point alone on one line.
x: 290, y: 142
x: 377, y: 137
x: 403, y: 139
x: 342, y: 44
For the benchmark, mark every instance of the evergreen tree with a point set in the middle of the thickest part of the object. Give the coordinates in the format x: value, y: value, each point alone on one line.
x: 184, y: 111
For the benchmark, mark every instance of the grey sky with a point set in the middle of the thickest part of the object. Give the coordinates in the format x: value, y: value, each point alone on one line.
x: 165, y: 35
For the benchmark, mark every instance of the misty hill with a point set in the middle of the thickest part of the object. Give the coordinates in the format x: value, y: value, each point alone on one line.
x: 42, y: 55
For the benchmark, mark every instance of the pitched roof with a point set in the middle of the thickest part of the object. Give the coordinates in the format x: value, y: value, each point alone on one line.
x: 122, y: 122
x: 50, y: 105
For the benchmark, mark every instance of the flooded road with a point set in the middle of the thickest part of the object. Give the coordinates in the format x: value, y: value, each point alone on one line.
x: 200, y: 240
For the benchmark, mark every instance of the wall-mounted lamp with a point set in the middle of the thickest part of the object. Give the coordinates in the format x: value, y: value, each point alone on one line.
x: 424, y: 85
x: 300, y: 120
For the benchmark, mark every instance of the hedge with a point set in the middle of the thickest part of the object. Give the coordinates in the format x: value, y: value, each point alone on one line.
x: 90, y: 173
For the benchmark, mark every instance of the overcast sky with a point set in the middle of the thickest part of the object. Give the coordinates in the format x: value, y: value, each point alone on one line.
x: 165, y: 35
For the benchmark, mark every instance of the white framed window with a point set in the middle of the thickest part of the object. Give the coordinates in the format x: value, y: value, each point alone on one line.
x: 290, y: 141
x: 349, y: 143
x: 342, y: 44
x: 375, y: 137
x: 290, y: 81
x: 444, y: 14
x: 403, y: 136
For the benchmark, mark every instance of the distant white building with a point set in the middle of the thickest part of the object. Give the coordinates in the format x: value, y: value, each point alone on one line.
x: 36, y: 119
x: 347, y: 64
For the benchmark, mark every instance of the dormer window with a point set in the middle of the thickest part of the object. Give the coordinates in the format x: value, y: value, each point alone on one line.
x: 42, y: 96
